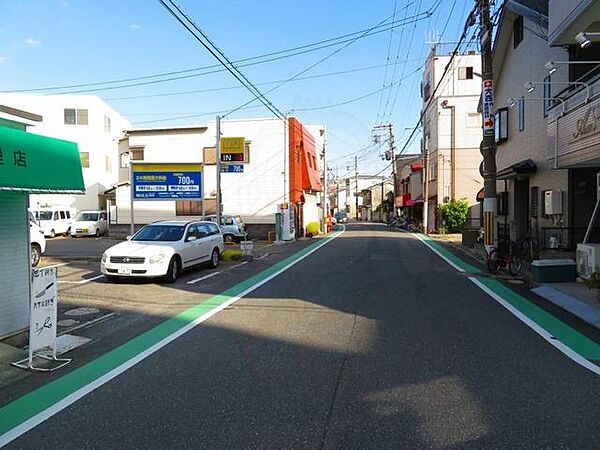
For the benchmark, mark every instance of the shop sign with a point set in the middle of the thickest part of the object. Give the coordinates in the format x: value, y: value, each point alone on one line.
x: 233, y: 145
x: 589, y: 123
x: 488, y: 107
x: 232, y: 168
x: 167, y: 181
x: 42, y: 331
x: 33, y: 163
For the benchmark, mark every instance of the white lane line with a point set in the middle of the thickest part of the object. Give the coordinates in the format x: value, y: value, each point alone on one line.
x: 262, y: 256
x: 87, y: 280
x: 239, y: 265
x: 83, y: 391
x: 567, y: 351
x: 205, y: 277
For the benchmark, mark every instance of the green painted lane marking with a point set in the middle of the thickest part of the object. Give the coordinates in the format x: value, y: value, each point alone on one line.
x: 560, y: 330
x: 45, y: 397
x: 557, y: 329
x: 447, y: 254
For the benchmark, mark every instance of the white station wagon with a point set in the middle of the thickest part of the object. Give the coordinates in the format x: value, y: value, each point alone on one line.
x: 164, y: 249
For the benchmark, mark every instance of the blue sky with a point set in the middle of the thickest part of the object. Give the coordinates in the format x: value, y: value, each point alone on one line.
x: 54, y: 43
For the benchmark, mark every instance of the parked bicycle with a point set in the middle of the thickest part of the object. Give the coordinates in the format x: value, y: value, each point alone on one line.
x: 497, y: 259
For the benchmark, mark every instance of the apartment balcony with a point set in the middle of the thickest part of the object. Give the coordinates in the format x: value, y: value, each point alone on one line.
x: 574, y: 126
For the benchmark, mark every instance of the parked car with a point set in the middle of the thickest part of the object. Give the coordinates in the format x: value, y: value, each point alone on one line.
x: 54, y: 221
x: 341, y: 217
x: 89, y: 223
x: 164, y: 249
x: 232, y: 226
x: 37, y: 241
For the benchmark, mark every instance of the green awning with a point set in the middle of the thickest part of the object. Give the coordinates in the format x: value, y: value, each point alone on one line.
x: 38, y: 164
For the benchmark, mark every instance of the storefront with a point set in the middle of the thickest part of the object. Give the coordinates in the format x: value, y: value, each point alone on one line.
x: 29, y: 163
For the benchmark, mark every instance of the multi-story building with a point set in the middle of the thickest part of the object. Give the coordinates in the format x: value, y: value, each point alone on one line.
x: 409, y: 186
x: 272, y: 174
x: 87, y: 121
x: 547, y: 88
x: 451, y: 129
x: 345, y: 193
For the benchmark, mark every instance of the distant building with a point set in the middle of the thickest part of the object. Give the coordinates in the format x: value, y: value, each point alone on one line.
x: 451, y: 130
x: 345, y: 193
x: 409, y: 188
x: 87, y: 121
x: 377, y: 201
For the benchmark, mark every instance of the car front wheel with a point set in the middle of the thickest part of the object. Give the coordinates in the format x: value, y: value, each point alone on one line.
x: 214, y: 258
x: 172, y: 271
x: 36, y: 255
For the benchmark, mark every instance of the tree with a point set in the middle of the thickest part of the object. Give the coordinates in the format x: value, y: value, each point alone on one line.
x: 454, y: 215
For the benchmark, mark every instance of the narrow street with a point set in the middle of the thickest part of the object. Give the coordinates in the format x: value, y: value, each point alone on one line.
x: 372, y: 341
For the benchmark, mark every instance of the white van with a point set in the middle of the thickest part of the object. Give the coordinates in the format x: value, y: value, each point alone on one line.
x: 89, y: 223
x: 54, y: 221
x: 36, y: 240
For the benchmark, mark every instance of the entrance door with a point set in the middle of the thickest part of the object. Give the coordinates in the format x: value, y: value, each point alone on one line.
x: 521, y: 205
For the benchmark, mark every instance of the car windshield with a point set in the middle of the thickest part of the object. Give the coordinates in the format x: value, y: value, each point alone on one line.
x: 45, y: 215
x: 163, y: 233
x: 87, y: 217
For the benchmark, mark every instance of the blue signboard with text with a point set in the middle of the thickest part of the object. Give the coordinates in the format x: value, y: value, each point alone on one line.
x: 232, y: 168
x: 166, y: 181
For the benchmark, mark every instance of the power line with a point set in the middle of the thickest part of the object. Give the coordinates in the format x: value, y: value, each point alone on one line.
x: 244, y: 62
x: 179, y: 15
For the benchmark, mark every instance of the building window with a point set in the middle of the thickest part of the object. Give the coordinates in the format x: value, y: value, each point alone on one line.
x: 76, y: 116
x: 501, y: 125
x: 136, y: 154
x: 107, y: 124
x: 85, y: 159
x: 547, y: 95
x: 517, y: 31
x: 124, y: 157
x: 521, y: 114
x: 465, y: 73
x: 187, y: 208
x: 433, y: 171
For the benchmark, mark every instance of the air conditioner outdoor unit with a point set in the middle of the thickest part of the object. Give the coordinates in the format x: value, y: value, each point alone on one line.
x: 588, y: 259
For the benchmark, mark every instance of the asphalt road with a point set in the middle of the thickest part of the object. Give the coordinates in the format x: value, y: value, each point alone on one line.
x: 370, y: 342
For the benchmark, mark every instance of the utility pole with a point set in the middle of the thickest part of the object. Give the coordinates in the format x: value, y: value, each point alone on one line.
x: 390, y: 154
x: 218, y: 166
x: 325, y: 186
x: 488, y: 144
x: 452, y: 109
x: 425, y: 183
x: 356, y: 191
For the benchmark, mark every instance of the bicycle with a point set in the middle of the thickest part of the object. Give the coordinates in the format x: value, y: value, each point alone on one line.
x: 496, y: 259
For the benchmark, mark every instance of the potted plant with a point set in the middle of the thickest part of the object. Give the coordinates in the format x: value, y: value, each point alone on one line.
x: 593, y: 282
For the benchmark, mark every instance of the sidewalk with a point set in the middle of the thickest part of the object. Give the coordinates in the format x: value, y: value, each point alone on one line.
x: 574, y: 298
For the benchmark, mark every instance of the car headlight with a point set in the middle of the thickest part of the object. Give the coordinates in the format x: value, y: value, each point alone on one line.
x: 104, y: 257
x: 154, y: 259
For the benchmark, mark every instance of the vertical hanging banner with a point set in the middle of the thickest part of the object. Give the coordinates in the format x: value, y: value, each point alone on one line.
x: 488, y: 107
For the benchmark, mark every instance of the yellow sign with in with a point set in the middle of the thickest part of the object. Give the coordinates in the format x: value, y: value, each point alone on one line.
x: 233, y: 145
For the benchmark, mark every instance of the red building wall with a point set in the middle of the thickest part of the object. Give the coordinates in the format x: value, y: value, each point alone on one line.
x: 303, y: 162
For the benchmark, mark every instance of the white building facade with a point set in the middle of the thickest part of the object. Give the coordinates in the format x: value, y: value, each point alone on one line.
x: 451, y: 130
x: 87, y: 121
x: 253, y: 194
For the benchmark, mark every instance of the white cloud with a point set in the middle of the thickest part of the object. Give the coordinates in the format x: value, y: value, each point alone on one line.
x: 134, y: 26
x: 32, y: 41
x: 3, y: 58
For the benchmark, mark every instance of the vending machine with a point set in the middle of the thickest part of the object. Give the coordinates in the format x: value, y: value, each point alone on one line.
x: 285, y: 219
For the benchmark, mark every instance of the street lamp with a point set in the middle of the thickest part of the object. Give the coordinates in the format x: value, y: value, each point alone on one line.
x: 583, y: 38
x: 551, y: 65
x: 512, y: 102
x: 530, y: 86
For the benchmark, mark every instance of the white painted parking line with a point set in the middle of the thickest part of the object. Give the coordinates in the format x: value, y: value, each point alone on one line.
x: 87, y: 280
x: 53, y: 265
x: 205, y: 277
x: 262, y: 256
x: 239, y: 265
